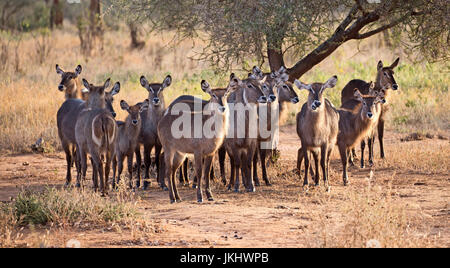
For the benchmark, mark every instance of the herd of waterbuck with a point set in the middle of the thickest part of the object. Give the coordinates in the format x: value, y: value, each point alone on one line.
x: 224, y: 125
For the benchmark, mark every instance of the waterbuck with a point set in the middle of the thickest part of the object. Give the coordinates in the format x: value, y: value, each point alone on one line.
x: 96, y: 134
x: 357, y: 123
x: 317, y: 127
x: 67, y: 117
x: 383, y: 82
x: 202, y: 140
x: 148, y: 136
x: 127, y: 138
x: 241, y: 142
x: 70, y: 83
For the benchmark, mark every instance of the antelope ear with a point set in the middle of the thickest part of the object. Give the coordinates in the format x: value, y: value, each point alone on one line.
x: 331, y: 82
x: 115, y: 89
x: 395, y: 63
x: 206, y: 87
x: 167, y: 81
x: 233, y: 84
x: 144, y: 105
x: 144, y: 81
x: 357, y: 95
x: 107, y: 83
x: 86, y: 85
x: 257, y: 72
x: 282, y: 70
x: 284, y: 77
x: 124, y: 105
x: 380, y: 65
x: 78, y: 70
x: 263, y: 80
x: 59, y: 70
x: 300, y: 85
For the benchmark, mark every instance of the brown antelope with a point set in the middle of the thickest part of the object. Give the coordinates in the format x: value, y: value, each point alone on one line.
x: 384, y: 81
x: 241, y: 143
x: 127, y: 138
x: 96, y: 134
x: 183, y: 171
x: 317, y: 127
x: 67, y: 117
x: 70, y: 83
x: 356, y: 124
x: 149, y: 136
x: 276, y: 90
x: 201, y: 144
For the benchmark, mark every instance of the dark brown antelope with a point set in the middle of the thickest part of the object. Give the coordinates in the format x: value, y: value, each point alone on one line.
x: 356, y: 124
x: 127, y: 138
x: 241, y: 142
x: 384, y: 82
x: 317, y: 127
x: 149, y: 135
x: 202, y: 144
x: 96, y: 134
x: 67, y: 117
x: 70, y: 83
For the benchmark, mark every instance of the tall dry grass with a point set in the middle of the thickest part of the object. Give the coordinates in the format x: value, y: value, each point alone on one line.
x: 30, y: 99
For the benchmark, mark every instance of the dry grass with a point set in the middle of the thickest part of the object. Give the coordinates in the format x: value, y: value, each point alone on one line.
x: 348, y: 217
x: 37, y: 215
x: 31, y: 99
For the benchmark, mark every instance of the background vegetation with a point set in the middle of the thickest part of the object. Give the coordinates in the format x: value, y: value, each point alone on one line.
x: 28, y: 81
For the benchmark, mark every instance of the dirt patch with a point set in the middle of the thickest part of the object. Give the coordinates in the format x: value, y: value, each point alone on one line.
x: 282, y: 215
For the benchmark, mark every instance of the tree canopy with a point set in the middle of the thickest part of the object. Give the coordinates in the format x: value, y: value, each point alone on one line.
x: 265, y: 29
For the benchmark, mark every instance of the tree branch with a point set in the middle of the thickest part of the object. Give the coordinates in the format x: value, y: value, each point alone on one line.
x: 387, y: 26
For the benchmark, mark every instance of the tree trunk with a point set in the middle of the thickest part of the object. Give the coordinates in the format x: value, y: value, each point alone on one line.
x: 95, y: 20
x: 134, y: 32
x: 275, y: 55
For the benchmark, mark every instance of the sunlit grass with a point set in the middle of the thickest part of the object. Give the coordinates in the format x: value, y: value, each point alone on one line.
x: 30, y: 97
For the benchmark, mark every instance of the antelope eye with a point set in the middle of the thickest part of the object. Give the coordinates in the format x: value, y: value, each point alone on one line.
x: 250, y: 86
x: 385, y: 74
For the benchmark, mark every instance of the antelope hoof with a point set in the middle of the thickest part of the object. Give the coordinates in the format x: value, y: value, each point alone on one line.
x: 236, y: 190
x: 146, y: 185
x: 346, y: 182
x: 371, y: 163
x: 78, y: 185
x: 200, y: 200
x: 362, y: 165
x: 251, y: 190
x: 172, y: 201
x: 67, y: 185
x: 194, y: 186
x: 179, y: 200
x: 268, y: 183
